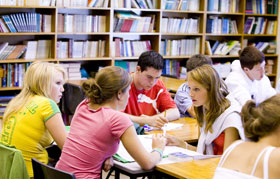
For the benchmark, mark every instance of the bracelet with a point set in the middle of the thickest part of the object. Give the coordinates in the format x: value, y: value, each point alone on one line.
x: 159, y: 151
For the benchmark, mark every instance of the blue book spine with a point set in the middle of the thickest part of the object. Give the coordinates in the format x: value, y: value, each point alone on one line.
x: 210, y: 5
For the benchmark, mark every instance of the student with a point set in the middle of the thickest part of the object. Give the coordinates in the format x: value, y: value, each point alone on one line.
x: 32, y: 119
x: 97, y: 128
x: 258, y: 158
x: 148, y: 97
x: 218, y: 117
x: 182, y: 97
x: 247, y: 80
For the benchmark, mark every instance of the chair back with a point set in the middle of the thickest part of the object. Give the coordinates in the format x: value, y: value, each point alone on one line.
x: 43, y: 171
x: 71, y: 98
x: 12, y: 164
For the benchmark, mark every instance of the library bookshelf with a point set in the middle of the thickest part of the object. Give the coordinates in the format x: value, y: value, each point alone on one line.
x: 120, y: 35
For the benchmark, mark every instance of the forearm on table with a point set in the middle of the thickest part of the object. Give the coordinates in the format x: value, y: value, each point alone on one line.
x: 172, y: 114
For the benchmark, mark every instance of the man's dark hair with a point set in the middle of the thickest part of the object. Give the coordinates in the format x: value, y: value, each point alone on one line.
x: 197, y: 61
x: 250, y: 56
x: 150, y: 59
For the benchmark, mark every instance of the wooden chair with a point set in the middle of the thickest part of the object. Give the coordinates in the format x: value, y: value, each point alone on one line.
x: 43, y: 171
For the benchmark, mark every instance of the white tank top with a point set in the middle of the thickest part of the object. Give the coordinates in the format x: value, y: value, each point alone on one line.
x: 222, y: 173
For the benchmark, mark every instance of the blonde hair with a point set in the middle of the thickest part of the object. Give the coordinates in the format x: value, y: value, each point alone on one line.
x: 262, y: 120
x: 106, y: 84
x: 208, y: 77
x: 37, y: 81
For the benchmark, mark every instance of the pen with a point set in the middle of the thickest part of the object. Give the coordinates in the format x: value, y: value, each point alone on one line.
x: 165, y: 125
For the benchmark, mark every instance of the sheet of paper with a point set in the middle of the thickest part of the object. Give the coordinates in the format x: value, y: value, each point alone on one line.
x: 146, y: 141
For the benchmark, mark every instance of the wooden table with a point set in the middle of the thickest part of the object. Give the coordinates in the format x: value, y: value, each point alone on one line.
x: 172, y: 84
x: 195, y: 169
x: 189, y: 131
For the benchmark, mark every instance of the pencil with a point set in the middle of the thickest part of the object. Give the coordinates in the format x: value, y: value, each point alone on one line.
x: 164, y: 127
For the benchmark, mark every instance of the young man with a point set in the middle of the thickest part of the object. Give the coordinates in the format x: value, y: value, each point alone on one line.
x: 247, y: 81
x: 149, y: 101
x: 182, y: 97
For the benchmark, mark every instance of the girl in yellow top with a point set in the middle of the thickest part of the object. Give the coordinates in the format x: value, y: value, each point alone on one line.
x: 32, y: 119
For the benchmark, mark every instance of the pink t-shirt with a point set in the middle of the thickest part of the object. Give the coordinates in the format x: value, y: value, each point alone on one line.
x: 94, y: 136
x: 149, y: 102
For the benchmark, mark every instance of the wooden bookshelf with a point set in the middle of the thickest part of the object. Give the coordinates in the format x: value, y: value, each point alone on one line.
x: 156, y: 36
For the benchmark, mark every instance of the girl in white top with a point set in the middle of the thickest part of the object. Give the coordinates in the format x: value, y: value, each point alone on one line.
x: 218, y: 116
x: 260, y: 157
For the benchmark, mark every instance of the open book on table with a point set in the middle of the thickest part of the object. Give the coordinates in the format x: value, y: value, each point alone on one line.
x: 171, y: 154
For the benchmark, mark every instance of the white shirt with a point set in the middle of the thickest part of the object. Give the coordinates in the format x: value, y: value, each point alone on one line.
x: 244, y: 89
x: 278, y: 86
x: 229, y: 118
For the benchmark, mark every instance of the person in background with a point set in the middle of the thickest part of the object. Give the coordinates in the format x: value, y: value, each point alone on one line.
x: 182, y: 97
x: 259, y: 157
x: 98, y: 126
x: 32, y: 119
x: 247, y: 80
x: 218, y: 116
x: 148, y: 97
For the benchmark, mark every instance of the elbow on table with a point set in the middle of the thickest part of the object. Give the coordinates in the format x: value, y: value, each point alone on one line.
x: 147, y: 165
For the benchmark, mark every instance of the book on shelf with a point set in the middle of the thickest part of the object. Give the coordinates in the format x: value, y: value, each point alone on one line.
x: 171, y: 68
x: 80, y: 49
x: 81, y: 23
x: 126, y: 48
x: 17, y: 52
x: 269, y: 66
x: 43, y: 49
x: 185, y: 47
x: 184, y: 5
x: 208, y: 50
x: 13, y: 74
x: 31, y: 50
x: 26, y: 22
x: 129, y: 66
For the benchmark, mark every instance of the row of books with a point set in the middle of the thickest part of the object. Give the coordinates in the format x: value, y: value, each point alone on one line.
x: 26, y: 22
x: 265, y: 47
x: 40, y: 49
x: 180, y: 47
x: 95, y: 3
x: 129, y: 66
x: 260, y: 25
x: 269, y: 67
x: 171, y: 68
x: 261, y: 7
x: 72, y: 70
x: 139, y: 4
x: 130, y: 48
x: 8, y: 52
x: 225, y: 6
x: 183, y: 5
x: 128, y: 22
x: 81, y: 23
x: 80, y: 49
x: 4, y: 100
x: 178, y: 25
x: 27, y: 2
x: 13, y: 73
x: 222, y: 25
x: 231, y: 47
